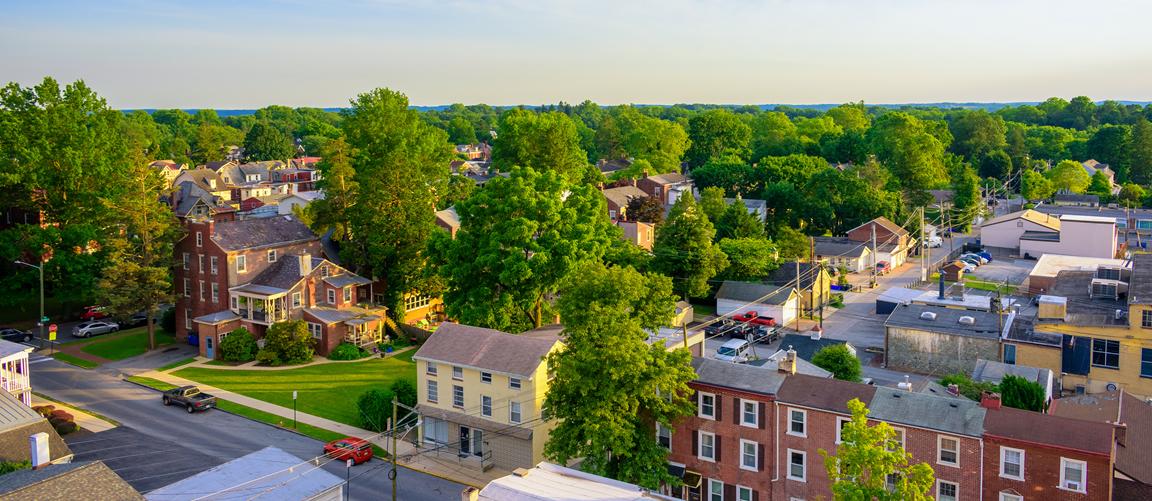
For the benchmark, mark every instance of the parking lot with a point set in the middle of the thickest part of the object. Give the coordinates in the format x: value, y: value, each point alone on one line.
x: 1011, y: 270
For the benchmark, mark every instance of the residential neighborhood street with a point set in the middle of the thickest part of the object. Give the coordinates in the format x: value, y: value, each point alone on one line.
x: 177, y: 445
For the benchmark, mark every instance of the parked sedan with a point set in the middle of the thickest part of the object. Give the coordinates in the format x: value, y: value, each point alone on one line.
x: 93, y: 313
x: 136, y: 320
x: 93, y: 328
x: 978, y: 257
x: 15, y: 335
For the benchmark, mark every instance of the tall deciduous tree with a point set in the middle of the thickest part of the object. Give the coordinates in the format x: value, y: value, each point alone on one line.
x: 628, y: 133
x: 712, y: 203
x: 737, y: 222
x: 1069, y: 175
x: 1034, y: 186
x: 965, y: 192
x: 684, y: 249
x: 839, y: 361
x: 1140, y: 152
x: 1131, y: 195
x: 868, y: 457
x: 519, y: 237
x: 338, y: 183
x: 611, y: 388
x: 400, y: 163
x: 914, y: 155
x: 266, y: 142
x: 977, y: 133
x: 714, y: 133
x: 646, y: 210
x: 542, y: 141
x: 749, y: 259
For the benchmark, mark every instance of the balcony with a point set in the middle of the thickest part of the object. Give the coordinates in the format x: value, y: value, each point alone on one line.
x: 261, y: 310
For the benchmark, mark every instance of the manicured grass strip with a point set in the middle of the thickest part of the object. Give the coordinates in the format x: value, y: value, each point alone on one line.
x: 129, y: 343
x: 326, y: 390
x: 224, y: 363
x: 151, y: 383
x: 86, y: 411
x: 988, y: 286
x: 176, y: 364
x: 78, y: 362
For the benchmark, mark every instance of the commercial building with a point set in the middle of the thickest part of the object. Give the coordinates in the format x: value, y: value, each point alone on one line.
x: 937, y: 340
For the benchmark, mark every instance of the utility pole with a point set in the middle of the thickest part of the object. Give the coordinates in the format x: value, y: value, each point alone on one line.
x: 395, y: 451
x: 799, y: 287
x: 873, y: 284
x: 40, y: 321
x: 924, y: 260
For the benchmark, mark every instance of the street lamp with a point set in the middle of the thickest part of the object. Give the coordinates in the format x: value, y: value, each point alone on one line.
x: 40, y: 321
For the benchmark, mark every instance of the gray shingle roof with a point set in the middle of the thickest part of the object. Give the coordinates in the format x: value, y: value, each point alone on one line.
x: 839, y: 246
x: 346, y: 279
x: 620, y: 196
x: 67, y: 482
x: 805, y: 346
x: 786, y: 273
x: 284, y: 273
x: 823, y: 393
x: 753, y: 292
x: 991, y: 370
x: 986, y: 324
x: 262, y: 232
x: 950, y: 415
x: 765, y: 380
x: 487, y: 349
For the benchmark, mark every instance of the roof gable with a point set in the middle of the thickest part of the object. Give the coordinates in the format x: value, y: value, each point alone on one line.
x: 488, y: 349
x: 260, y: 232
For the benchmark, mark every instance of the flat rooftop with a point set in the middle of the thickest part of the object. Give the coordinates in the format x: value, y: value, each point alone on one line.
x: 1050, y: 264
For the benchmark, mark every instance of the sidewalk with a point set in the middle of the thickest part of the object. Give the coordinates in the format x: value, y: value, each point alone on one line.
x: 203, y: 362
x: 83, y: 419
x: 410, y: 456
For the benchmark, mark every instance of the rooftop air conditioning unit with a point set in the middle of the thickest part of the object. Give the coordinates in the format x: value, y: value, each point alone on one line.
x: 967, y: 320
x: 928, y: 315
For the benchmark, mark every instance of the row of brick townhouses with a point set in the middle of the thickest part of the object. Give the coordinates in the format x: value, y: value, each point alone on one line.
x: 757, y: 434
x: 256, y: 272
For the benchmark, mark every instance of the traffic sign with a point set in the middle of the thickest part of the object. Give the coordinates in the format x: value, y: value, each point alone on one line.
x: 52, y: 328
x: 44, y: 320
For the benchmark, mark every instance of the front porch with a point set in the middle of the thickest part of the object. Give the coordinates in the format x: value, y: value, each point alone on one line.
x: 14, y: 376
x: 260, y: 304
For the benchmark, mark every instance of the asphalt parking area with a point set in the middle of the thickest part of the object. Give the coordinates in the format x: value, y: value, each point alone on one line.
x: 145, y: 462
x: 1015, y: 271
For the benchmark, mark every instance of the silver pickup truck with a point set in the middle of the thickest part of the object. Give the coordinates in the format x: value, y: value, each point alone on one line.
x: 190, y: 397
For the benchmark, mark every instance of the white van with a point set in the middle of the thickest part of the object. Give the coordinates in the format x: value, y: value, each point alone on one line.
x: 933, y: 242
x: 734, y: 350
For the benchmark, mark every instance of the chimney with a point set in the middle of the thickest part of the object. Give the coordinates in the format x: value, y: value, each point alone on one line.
x: 906, y: 385
x: 470, y: 494
x: 305, y: 264
x: 816, y: 332
x: 954, y: 390
x: 38, y: 443
x: 941, y: 296
x: 990, y: 400
x: 1121, y: 433
x: 788, y: 363
x: 645, y: 173
x: 600, y: 186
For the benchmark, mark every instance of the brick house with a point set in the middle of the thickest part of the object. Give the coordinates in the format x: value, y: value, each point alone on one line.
x: 667, y: 188
x: 256, y: 272
x: 893, y: 243
x: 618, y: 199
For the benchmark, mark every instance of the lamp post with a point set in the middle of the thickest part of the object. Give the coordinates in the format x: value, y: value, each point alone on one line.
x: 40, y: 321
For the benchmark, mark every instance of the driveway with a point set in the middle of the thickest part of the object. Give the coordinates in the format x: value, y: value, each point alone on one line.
x: 1014, y: 271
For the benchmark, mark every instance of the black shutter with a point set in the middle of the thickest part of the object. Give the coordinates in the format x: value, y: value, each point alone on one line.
x: 695, y: 442
x: 716, y: 448
x: 763, y: 420
x: 729, y: 491
x: 759, y: 457
x: 738, y: 410
x: 755, y: 495
x: 717, y: 405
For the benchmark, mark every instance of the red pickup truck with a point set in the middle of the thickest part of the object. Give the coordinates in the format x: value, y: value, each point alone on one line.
x: 752, y: 317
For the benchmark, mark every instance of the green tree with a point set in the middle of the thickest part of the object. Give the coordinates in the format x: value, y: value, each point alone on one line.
x: 774, y: 134
x: 996, y: 164
x: 714, y: 133
x: 839, y: 361
x: 338, y: 183
x: 659, y: 142
x: 1020, y: 393
x: 611, y: 387
x: 868, y: 457
x: 1100, y: 186
x: 712, y: 203
x: 646, y: 210
x: 684, y: 249
x: 238, y: 346
x: 461, y: 131
x: 749, y: 259
x: 915, y: 156
x: 542, y: 141
x: 400, y: 164
x: 1140, y: 152
x: 737, y: 222
x: 212, y: 142
x: 977, y: 133
x: 852, y: 117
x: 791, y: 243
x: 1034, y: 186
x: 519, y: 237
x: 1132, y: 195
x: 287, y: 343
x: 729, y: 173
x: 1069, y: 175
x: 375, y: 407
x: 966, y: 193
x: 1109, y: 144
x: 266, y: 142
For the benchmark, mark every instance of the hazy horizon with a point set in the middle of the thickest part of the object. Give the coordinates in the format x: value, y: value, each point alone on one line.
x: 245, y: 55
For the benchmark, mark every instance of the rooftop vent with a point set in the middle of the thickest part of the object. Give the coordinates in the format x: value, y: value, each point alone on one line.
x: 906, y: 385
x: 967, y: 320
x: 928, y: 315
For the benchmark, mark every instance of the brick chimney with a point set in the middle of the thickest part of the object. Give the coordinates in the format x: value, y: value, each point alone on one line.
x: 305, y: 264
x: 954, y: 390
x: 990, y: 400
x: 788, y: 363
x: 1121, y: 433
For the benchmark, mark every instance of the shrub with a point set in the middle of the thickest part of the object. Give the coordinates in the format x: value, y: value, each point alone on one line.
x: 66, y: 427
x: 11, y: 466
x: 375, y: 409
x: 839, y: 361
x: 968, y: 388
x: 44, y: 410
x: 61, y: 414
x: 168, y: 320
x: 837, y: 301
x: 405, y: 391
x: 1021, y: 393
x: 238, y: 346
x: 268, y: 357
x: 347, y: 351
x: 287, y: 343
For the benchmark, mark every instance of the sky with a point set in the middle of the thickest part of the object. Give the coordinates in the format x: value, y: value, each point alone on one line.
x: 253, y: 53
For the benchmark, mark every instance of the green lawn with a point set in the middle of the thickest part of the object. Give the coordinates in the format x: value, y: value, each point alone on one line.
x: 325, y: 390
x: 178, y: 363
x: 78, y: 362
x: 126, y: 344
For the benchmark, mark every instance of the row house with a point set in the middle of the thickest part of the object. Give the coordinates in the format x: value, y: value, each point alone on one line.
x: 206, y: 179
x: 295, y: 179
x: 757, y: 434
x: 256, y: 272
x: 189, y: 201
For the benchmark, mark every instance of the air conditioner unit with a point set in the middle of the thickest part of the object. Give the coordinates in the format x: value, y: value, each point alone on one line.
x: 928, y: 315
x: 1071, y: 485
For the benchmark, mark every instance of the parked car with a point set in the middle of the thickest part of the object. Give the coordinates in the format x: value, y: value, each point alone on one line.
x: 190, y: 397
x: 933, y: 242
x: 753, y: 317
x: 137, y: 319
x: 734, y: 350
x: 356, y: 449
x: 720, y: 327
x: 93, y: 328
x: 968, y: 267
x: 985, y: 255
x: 883, y: 267
x: 974, y: 261
x: 977, y: 257
x: 93, y: 313
x: 15, y: 335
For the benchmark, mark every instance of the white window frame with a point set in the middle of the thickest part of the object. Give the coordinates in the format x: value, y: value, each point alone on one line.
x: 433, y: 393
x: 803, y: 422
x: 515, y: 383
x: 200, y: 263
x: 187, y: 261
x: 940, y: 451
x: 840, y: 422
x: 1003, y: 454
x: 187, y: 317
x: 272, y: 256
x: 700, y: 446
x: 241, y: 263
x: 1064, y: 464
x: 457, y: 373
x: 902, y: 433
x: 297, y: 300
x: 741, y: 491
x: 348, y: 294
x: 515, y: 416
x: 213, y: 262
x: 700, y: 406
x: 755, y: 455
x: 430, y: 368
x: 331, y: 296
x: 804, y: 467
x: 485, y: 406
x: 712, y: 493
x: 199, y: 239
x: 215, y: 292
x: 234, y: 302
x: 940, y: 483
x: 201, y: 284
x: 187, y: 287
x: 316, y: 330
x: 485, y: 377
x: 744, y: 413
x: 1008, y: 496
x: 457, y: 402
x: 668, y: 430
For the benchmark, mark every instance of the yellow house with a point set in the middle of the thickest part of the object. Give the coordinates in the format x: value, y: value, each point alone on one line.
x: 1094, y: 328
x: 481, y: 392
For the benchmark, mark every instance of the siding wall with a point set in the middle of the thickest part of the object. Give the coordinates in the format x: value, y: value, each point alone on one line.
x: 930, y: 352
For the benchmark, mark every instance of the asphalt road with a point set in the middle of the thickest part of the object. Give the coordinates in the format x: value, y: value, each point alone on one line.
x: 180, y: 445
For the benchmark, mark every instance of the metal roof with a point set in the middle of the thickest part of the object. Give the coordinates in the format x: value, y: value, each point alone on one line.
x: 268, y: 471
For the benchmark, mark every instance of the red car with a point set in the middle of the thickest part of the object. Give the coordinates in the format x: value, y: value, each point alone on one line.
x: 754, y: 318
x: 93, y: 313
x: 356, y: 449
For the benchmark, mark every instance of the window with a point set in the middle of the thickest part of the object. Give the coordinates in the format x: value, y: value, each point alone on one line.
x: 715, y: 490
x: 1010, y: 354
x: 323, y: 271
x: 331, y: 296
x: 200, y: 263
x: 187, y: 287
x: 416, y: 301
x: 201, y: 289
x: 797, y: 422
x: 947, y: 491
x: 707, y: 449
x: 188, y: 318
x: 296, y: 299
x: 486, y: 406
x: 1008, y: 496
x: 430, y: 368
x: 199, y: 239
x: 457, y: 396
x: 433, y: 391
x: 750, y: 413
x: 272, y: 256
x: 707, y: 406
x: 948, y: 451
x: 215, y: 292
x: 1145, y: 362
x: 743, y: 493
x: 316, y: 330
x: 796, y: 465
x: 1145, y: 318
x: 187, y: 260
x: 890, y: 481
x: 1072, y: 474
x: 840, y: 424
x: 486, y: 377
x: 514, y: 412
x: 235, y: 303
x: 899, y: 439
x: 1106, y: 353
x: 1144, y: 224
x: 241, y: 264
x: 1011, y: 463
x: 749, y: 455
x: 347, y: 294
x: 514, y: 383
x: 212, y: 260
x: 458, y: 373
x: 664, y: 436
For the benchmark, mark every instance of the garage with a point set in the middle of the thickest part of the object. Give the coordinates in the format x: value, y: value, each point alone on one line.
x: 781, y: 303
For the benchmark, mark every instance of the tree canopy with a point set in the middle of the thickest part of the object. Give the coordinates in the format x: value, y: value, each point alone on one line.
x: 684, y: 249
x: 871, y: 463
